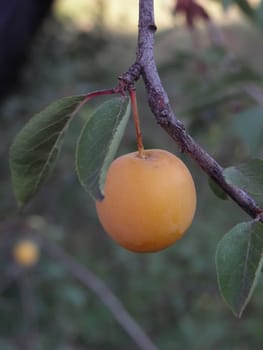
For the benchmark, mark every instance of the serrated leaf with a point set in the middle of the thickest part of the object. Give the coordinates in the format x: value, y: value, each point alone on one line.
x: 34, y: 151
x: 98, y: 144
x: 217, y: 190
x: 238, y: 263
x: 248, y: 176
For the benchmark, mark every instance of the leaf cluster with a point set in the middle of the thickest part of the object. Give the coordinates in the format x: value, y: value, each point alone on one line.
x: 35, y: 149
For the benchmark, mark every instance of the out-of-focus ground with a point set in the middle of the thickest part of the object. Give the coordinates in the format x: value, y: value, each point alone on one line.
x: 172, y: 294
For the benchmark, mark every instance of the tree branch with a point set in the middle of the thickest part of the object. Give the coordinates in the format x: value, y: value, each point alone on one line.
x: 159, y: 103
x: 29, y: 338
x: 94, y: 283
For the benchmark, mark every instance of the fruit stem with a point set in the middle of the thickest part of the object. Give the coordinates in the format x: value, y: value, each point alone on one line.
x: 137, y: 122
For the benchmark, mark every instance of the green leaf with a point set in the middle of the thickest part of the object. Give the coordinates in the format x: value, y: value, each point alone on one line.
x: 238, y: 263
x: 248, y: 125
x: 98, y: 144
x: 34, y: 151
x: 217, y: 190
x: 248, y: 176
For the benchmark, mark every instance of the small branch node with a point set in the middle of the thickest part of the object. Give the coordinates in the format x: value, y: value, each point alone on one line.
x: 133, y: 73
x: 152, y: 28
x: 163, y: 118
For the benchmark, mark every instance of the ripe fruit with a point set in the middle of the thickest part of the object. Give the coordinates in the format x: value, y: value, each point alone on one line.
x: 149, y: 201
x: 26, y: 253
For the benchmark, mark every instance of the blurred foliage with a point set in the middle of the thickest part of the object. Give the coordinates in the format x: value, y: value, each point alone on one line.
x: 173, y: 294
x: 252, y: 11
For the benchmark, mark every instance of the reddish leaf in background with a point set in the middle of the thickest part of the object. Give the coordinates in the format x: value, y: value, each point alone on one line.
x: 191, y: 10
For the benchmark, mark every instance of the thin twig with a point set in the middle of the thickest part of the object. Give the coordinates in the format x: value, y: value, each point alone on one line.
x: 159, y: 103
x: 94, y: 283
x: 29, y: 338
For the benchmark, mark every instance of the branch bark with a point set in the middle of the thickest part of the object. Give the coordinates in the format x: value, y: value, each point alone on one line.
x: 145, y: 66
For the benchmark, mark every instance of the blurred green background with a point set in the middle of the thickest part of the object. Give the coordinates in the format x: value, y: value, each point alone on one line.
x: 215, y: 88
